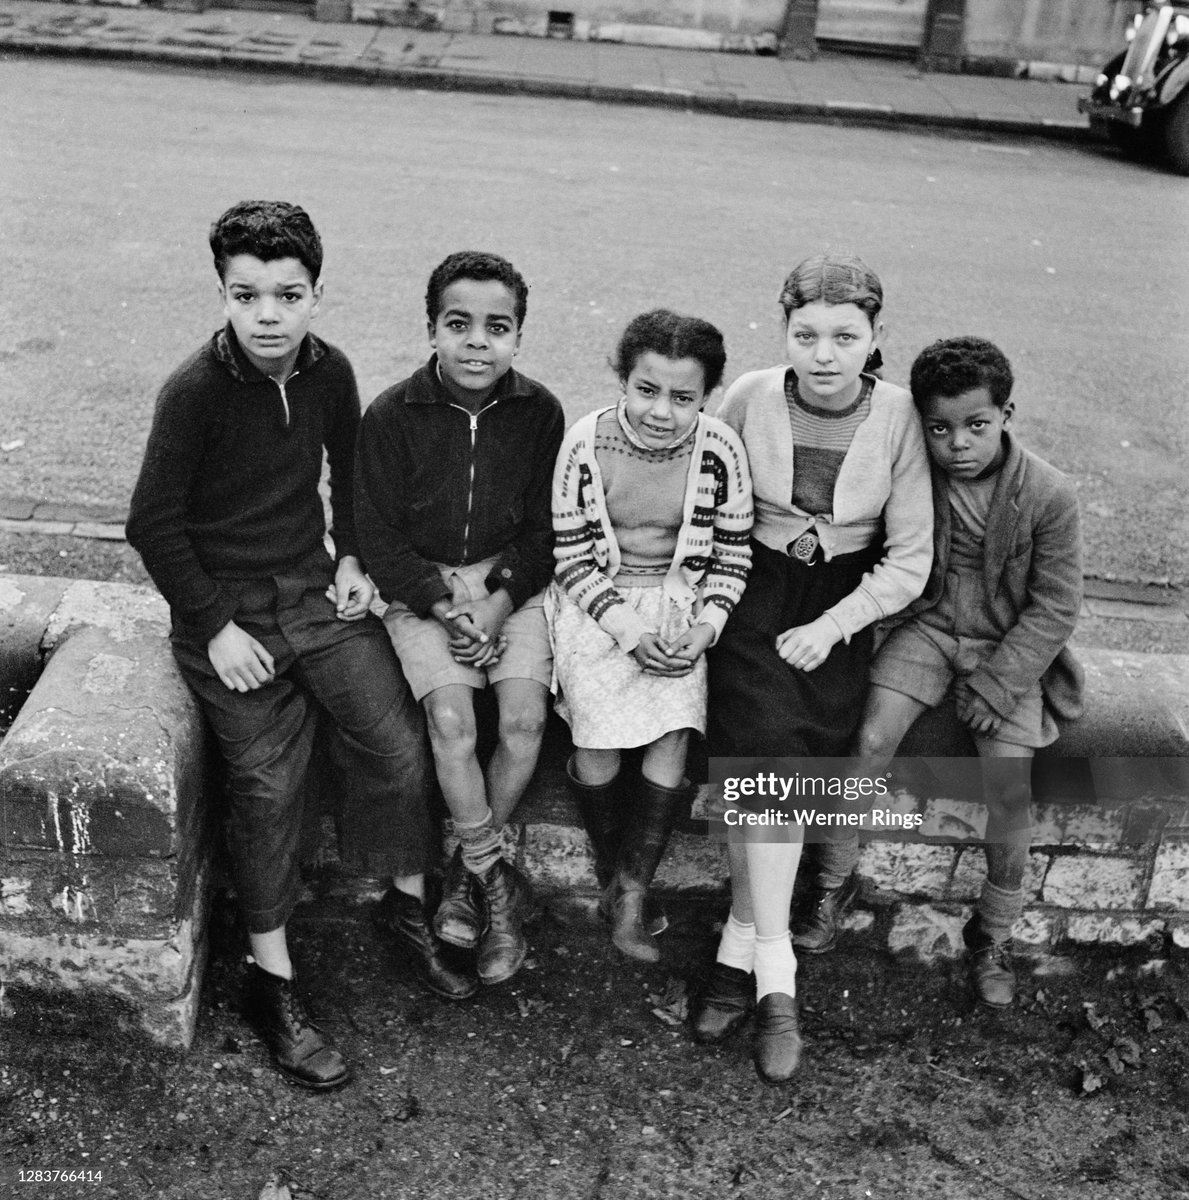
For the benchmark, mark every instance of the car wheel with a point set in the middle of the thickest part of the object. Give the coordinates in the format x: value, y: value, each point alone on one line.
x: 1141, y: 144
x: 1176, y: 135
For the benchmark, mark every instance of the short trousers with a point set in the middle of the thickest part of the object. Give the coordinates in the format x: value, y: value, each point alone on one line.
x: 423, y: 645
x: 923, y: 662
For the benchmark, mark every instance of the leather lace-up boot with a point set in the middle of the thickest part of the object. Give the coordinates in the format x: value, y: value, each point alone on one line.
x: 458, y: 920
x: 989, y: 961
x: 403, y: 917
x: 508, y: 903
x: 300, y: 1049
x: 817, y: 931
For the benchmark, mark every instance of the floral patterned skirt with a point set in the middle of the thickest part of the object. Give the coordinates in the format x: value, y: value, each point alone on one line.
x: 608, y: 702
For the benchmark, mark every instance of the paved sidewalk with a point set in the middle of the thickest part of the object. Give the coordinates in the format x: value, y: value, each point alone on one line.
x: 850, y: 89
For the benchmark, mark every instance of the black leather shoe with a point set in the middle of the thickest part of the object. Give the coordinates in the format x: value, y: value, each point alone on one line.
x: 776, y: 1049
x: 723, y: 1004
x: 458, y: 920
x: 403, y: 917
x: 817, y: 931
x: 300, y: 1049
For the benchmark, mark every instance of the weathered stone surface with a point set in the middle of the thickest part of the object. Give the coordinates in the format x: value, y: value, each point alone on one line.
x: 908, y: 868
x: 26, y: 604
x: 1037, y: 929
x: 107, y: 754
x: 927, y: 932
x: 1095, y: 881
x: 128, y: 897
x: 962, y: 819
x: 1170, y: 877
x: 1107, y: 929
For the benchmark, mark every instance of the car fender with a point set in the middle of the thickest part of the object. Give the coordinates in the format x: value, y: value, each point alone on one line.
x: 1170, y: 85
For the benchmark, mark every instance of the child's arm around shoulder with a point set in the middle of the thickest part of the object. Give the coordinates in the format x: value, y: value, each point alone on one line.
x: 1052, y: 592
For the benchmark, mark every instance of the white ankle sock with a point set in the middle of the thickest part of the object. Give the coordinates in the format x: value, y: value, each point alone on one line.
x: 775, y: 966
x: 736, y: 948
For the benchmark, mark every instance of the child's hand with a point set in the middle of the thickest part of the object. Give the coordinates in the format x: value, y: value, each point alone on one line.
x: 488, y: 614
x: 806, y: 647
x: 240, y: 661
x: 974, y: 712
x: 458, y: 624
x: 352, y: 591
x: 478, y: 654
x: 654, y: 658
x: 693, y: 643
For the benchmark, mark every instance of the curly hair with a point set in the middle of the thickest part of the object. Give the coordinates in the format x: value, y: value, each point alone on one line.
x: 672, y: 336
x: 474, y: 264
x: 267, y: 229
x: 833, y: 279
x: 953, y: 366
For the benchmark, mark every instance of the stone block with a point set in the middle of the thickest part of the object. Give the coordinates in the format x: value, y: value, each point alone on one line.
x: 1080, y: 824
x: 966, y: 883
x: 927, y: 932
x: 963, y: 820
x: 1095, y: 881
x: 1109, y: 929
x: 1037, y: 929
x: 1170, y: 877
x: 908, y: 868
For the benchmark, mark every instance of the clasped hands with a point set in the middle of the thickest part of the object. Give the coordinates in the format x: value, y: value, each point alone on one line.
x: 474, y: 627
x: 656, y: 656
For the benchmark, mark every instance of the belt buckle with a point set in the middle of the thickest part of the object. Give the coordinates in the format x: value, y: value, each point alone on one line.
x: 804, y: 548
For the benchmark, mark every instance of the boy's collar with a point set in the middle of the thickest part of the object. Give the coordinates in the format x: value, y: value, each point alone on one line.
x: 231, y: 354
x: 426, y: 386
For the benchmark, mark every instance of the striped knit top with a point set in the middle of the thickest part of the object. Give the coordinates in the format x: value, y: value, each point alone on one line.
x: 711, y: 554
x: 821, y: 438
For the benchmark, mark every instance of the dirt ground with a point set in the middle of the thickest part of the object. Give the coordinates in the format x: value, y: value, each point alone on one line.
x: 579, y: 1079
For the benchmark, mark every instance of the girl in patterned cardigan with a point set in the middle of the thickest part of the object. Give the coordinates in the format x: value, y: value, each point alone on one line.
x: 651, y: 512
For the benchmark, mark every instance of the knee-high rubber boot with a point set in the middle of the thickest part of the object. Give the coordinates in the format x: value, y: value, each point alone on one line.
x: 598, y: 806
x: 647, y: 830
x: 601, y: 809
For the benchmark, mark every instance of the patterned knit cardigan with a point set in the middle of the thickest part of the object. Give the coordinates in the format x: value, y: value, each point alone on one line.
x: 712, y: 556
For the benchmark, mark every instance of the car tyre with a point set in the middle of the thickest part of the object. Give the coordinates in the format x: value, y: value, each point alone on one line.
x: 1176, y: 134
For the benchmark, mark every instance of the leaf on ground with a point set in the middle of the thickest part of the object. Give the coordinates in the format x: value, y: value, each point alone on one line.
x: 7, y: 1012
x: 1153, y: 1020
x: 1114, y: 1061
x: 1129, y: 1051
x: 273, y: 1190
x: 672, y: 1005
x: 1093, y: 1018
x: 1091, y: 1081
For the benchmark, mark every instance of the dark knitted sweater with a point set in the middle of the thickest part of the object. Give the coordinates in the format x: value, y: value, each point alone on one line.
x: 436, y: 484
x: 228, y: 489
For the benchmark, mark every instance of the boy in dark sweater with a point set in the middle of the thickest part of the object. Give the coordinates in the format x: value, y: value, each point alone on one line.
x: 453, y: 478
x: 228, y: 518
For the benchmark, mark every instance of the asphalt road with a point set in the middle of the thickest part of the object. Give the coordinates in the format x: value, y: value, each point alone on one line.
x: 1073, y: 260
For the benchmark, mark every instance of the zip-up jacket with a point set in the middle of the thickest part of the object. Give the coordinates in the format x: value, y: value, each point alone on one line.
x: 435, y: 483
x: 228, y: 489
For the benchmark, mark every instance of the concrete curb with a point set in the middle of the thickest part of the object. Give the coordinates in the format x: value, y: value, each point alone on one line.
x: 512, y: 83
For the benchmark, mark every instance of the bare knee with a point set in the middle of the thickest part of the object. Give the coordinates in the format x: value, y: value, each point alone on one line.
x: 451, y: 723
x: 522, y: 722
x: 875, y: 740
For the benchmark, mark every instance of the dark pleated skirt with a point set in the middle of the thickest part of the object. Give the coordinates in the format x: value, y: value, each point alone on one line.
x: 759, y: 705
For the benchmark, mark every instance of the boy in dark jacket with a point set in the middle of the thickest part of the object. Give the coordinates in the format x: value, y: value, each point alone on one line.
x: 453, y: 477
x: 992, y: 625
x: 228, y: 518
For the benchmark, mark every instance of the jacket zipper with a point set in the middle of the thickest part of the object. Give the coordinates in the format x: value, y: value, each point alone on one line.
x: 284, y: 396
x: 473, y: 418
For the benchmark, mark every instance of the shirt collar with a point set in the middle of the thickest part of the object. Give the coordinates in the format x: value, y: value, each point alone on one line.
x: 231, y: 354
x: 426, y: 388
x: 621, y: 414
